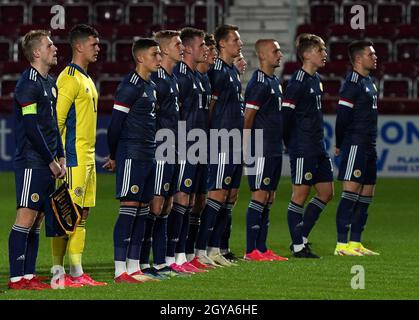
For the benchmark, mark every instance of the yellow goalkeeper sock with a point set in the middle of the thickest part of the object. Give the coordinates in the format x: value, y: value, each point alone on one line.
x: 59, y: 247
x: 75, y: 249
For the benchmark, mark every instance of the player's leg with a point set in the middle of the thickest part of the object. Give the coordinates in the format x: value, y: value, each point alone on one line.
x: 351, y: 172
x: 360, y: 215
x: 30, y: 194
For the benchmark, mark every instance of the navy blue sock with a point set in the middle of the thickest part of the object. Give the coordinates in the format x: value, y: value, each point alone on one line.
x: 122, y: 232
x: 311, y: 215
x: 17, y: 248
x: 194, y: 222
x: 219, y: 228
x: 225, y: 236
x: 344, y: 215
x: 181, y: 245
x: 137, y: 234
x: 295, y: 222
x: 174, y: 227
x: 160, y: 239
x: 32, y: 246
x: 360, y: 217
x: 264, y: 227
x: 148, y: 238
x: 209, y: 215
x: 253, y: 220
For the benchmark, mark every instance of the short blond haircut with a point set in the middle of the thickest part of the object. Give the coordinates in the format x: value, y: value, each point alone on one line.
x: 31, y: 41
x: 307, y: 41
x: 164, y: 36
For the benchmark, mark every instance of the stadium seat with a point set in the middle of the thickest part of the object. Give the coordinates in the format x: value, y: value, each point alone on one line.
x: 8, y: 85
x: 323, y: 12
x: 344, y: 31
x: 385, y: 31
x: 64, y: 52
x: 402, y: 69
x: 143, y: 13
x: 320, y: 29
x: 108, y: 13
x: 331, y: 85
x: 289, y: 68
x: 395, y: 87
x: 406, y: 50
x: 6, y: 50
x: 126, y: 31
x: 105, y: 50
x: 116, y: 68
x: 122, y: 51
x: 105, y: 105
x: 413, y: 13
x: 74, y: 13
x: 338, y: 49
x: 106, y: 31
x: 383, y: 49
x: 346, y: 15
x: 199, y: 14
x: 6, y: 104
x: 13, y: 68
x: 13, y: 13
x: 405, y: 31
x: 337, y: 68
x: 176, y: 15
x: 389, y: 12
x: 107, y: 85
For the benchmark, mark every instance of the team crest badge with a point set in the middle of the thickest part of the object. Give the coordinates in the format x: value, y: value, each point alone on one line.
x: 35, y: 197
x: 78, y: 191
x: 357, y: 173
x: 227, y: 180
x: 87, y: 90
x: 135, y: 189
x: 266, y: 181
x: 166, y: 186
x: 308, y: 176
x: 188, y: 183
x: 54, y: 92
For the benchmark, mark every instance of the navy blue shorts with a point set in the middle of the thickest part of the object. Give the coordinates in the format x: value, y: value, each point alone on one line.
x: 166, y: 179
x: 266, y: 174
x: 311, y: 170
x: 33, y: 187
x: 135, y: 180
x: 224, y: 175
x: 358, y: 164
x: 192, y: 178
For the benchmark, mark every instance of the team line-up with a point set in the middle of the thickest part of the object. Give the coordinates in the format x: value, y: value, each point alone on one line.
x: 181, y: 210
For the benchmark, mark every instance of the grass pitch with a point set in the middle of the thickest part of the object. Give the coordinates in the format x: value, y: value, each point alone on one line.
x: 391, y: 230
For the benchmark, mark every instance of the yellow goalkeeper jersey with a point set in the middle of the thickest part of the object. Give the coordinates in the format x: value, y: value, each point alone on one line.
x: 77, y: 115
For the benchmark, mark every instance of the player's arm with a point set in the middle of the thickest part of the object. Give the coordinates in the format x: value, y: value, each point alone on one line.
x: 28, y: 96
x: 68, y: 88
x: 125, y: 97
x: 344, y: 112
x: 217, y: 81
x: 60, y: 155
x: 255, y: 97
x: 291, y: 98
x: 185, y: 88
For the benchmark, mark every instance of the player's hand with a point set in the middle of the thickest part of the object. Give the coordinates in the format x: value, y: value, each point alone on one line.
x: 109, y: 165
x: 63, y: 166
x: 55, y: 168
x: 337, y: 151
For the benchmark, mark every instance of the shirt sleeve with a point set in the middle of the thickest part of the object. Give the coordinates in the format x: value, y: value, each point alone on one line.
x: 256, y: 95
x: 218, y: 81
x: 68, y: 89
x: 344, y: 109
x: 185, y: 88
x: 27, y: 96
x: 291, y: 98
x: 125, y: 97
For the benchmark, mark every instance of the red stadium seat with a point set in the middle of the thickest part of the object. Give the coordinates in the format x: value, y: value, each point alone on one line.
x: 13, y: 68
x: 396, y: 87
x: 346, y: 15
x: 141, y: 14
x: 407, y: 50
x: 105, y: 50
x: 105, y: 105
x: 336, y: 68
x: 8, y: 85
x: 6, y: 50
x: 413, y: 13
x: 126, y: 31
x: 383, y: 49
x: 344, y: 31
x: 387, y: 12
x: 338, y: 49
x: 108, y: 13
x: 385, y: 31
x: 176, y: 15
x: 319, y: 29
x: 323, y: 13
x: 116, y: 68
x: 405, y: 31
x: 401, y: 69
x: 74, y: 13
x: 107, y: 85
x: 199, y: 14
x: 6, y: 104
x: 331, y: 85
x: 289, y: 68
x: 122, y: 51
x: 13, y: 13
